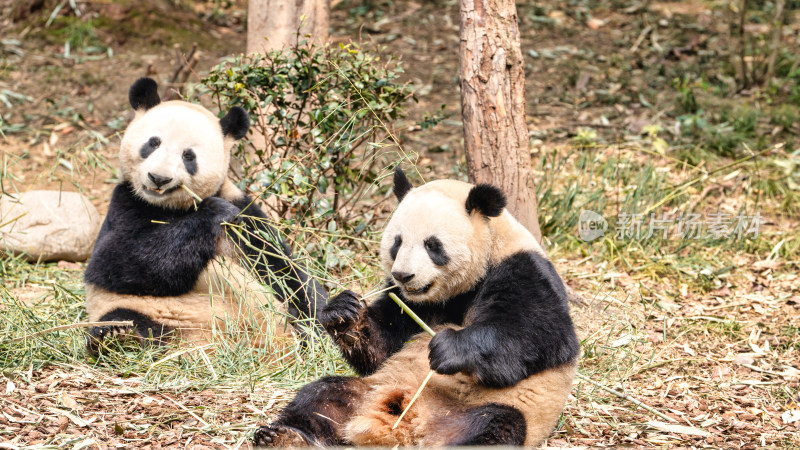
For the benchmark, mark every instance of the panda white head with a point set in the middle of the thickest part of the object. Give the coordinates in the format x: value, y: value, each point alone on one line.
x: 441, y: 239
x: 176, y: 143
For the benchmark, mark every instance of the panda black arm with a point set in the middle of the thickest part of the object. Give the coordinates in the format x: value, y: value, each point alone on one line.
x: 520, y: 325
x: 272, y: 259
x: 367, y: 336
x: 146, y: 250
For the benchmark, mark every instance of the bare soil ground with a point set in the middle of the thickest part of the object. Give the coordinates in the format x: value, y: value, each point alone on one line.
x: 705, y: 332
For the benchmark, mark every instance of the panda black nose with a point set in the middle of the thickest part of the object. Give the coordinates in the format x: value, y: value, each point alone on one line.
x: 402, y: 277
x: 158, y: 180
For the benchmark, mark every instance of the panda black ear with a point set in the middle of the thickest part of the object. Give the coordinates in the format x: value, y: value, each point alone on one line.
x: 143, y: 94
x: 401, y: 184
x: 236, y: 123
x: 487, y: 199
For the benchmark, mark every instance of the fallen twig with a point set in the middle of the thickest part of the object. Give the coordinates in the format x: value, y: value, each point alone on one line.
x: 640, y: 39
x: 198, y: 418
x: 625, y: 397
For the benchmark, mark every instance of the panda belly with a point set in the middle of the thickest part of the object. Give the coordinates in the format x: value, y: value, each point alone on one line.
x: 433, y: 420
x: 225, y: 294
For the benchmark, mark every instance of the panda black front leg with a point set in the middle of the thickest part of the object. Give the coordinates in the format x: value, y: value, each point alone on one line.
x: 220, y: 209
x: 446, y: 355
x: 368, y: 335
x: 365, y: 335
x: 478, y: 350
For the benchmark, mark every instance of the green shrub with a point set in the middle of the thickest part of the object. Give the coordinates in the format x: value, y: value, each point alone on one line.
x: 326, y: 115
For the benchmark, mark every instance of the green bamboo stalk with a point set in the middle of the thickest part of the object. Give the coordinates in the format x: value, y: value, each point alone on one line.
x: 195, y: 198
x: 411, y: 314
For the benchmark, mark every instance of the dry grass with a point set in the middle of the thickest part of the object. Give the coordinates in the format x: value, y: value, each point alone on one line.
x: 56, y: 395
x: 707, y: 332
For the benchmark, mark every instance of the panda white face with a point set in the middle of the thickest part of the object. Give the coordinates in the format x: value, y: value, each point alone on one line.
x: 432, y: 247
x: 176, y: 144
x: 172, y: 144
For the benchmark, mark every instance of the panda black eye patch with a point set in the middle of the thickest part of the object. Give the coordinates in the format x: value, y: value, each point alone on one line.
x: 190, y: 161
x: 436, y: 251
x: 149, y: 147
x: 398, y: 241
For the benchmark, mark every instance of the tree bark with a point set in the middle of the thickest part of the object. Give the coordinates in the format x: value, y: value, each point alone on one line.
x: 493, y: 105
x: 274, y: 24
x: 777, y: 36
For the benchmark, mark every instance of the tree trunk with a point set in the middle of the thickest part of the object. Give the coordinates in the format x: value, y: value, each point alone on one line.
x: 274, y: 24
x: 493, y: 105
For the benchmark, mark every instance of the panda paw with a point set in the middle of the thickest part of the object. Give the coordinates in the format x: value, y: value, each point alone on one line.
x: 444, y: 353
x: 279, y: 436
x: 222, y: 210
x: 342, y: 313
x: 95, y: 337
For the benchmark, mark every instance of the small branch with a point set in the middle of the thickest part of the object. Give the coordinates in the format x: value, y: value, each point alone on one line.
x: 575, y: 297
x: 414, y: 398
x: 376, y: 292
x: 184, y: 64
x: 640, y: 39
x: 198, y: 418
x: 196, y: 198
x: 111, y: 323
x: 189, y: 69
x: 625, y: 397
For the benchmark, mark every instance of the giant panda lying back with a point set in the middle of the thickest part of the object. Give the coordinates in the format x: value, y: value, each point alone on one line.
x: 504, y: 354
x: 166, y: 262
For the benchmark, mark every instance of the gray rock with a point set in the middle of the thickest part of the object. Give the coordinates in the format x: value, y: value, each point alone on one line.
x: 48, y: 225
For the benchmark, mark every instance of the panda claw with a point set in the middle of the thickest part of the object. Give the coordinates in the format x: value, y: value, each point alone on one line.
x: 95, y: 336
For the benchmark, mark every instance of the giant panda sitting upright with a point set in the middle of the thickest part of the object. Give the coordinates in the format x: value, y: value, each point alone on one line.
x: 504, y: 354
x: 171, y: 264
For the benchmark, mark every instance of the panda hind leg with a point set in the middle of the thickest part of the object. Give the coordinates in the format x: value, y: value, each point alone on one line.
x: 279, y: 436
x: 490, y: 424
x: 144, y: 330
x: 315, y: 416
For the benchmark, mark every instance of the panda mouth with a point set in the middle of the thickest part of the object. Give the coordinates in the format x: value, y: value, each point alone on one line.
x: 159, y: 192
x: 419, y: 291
